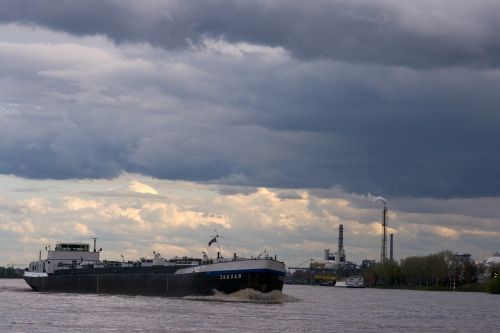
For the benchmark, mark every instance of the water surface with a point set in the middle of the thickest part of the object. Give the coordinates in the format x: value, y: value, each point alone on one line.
x: 300, y: 309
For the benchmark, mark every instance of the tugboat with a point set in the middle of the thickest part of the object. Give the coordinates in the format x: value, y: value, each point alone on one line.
x: 72, y: 267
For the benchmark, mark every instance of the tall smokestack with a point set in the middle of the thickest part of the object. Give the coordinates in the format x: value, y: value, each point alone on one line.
x: 340, y: 250
x: 391, y: 248
x: 383, y: 255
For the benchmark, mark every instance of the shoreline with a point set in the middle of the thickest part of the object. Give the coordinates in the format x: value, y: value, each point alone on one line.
x: 470, y: 287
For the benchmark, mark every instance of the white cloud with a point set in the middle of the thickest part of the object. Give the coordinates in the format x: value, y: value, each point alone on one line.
x: 18, y: 227
x: 447, y: 232
x: 167, y: 250
x: 74, y: 203
x: 139, y: 187
x: 296, y: 226
x: 36, y: 205
x: 82, y: 230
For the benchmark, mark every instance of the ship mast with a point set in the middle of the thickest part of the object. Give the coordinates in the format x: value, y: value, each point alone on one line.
x: 218, y: 243
x: 216, y: 237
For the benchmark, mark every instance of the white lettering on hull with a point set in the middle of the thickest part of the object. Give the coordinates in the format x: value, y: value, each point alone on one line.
x: 229, y: 276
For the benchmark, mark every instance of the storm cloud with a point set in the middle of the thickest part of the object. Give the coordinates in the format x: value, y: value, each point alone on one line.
x: 420, y: 34
x: 383, y: 97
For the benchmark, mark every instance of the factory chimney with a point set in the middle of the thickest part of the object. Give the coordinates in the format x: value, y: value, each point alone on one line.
x: 340, y: 251
x: 383, y: 254
x: 391, y: 248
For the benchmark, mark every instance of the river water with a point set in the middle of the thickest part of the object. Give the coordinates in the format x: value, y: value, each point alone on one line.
x: 299, y: 309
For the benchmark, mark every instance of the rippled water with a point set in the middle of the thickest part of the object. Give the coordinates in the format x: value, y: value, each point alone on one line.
x: 300, y: 309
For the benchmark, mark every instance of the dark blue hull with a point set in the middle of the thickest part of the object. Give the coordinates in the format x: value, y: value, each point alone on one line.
x: 157, y: 283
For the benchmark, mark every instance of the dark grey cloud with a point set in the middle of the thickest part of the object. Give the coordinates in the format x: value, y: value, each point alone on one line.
x: 485, y: 207
x: 424, y: 34
x: 301, y: 125
x: 235, y: 190
x: 371, y: 117
x: 289, y: 195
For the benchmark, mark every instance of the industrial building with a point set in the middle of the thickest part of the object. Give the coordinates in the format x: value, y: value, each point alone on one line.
x: 333, y: 267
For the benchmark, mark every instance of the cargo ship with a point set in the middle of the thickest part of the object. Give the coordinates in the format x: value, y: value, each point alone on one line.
x: 73, y: 267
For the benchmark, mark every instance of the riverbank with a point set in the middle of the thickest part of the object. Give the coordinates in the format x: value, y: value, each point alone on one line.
x: 11, y: 273
x: 467, y: 287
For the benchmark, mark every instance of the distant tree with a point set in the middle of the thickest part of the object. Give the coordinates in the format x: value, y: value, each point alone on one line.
x: 387, y: 273
x: 411, y: 270
x: 8, y: 272
x: 430, y: 270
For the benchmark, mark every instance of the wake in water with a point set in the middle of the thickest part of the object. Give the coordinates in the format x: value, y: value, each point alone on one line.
x: 14, y: 289
x: 247, y: 296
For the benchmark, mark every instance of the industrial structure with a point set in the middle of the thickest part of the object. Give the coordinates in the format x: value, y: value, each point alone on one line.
x: 334, y: 266
x: 391, y: 248
x: 385, y: 222
x: 339, y: 256
x: 383, y: 255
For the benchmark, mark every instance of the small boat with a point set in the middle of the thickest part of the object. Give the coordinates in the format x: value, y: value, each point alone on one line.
x: 351, y: 282
x: 355, y: 282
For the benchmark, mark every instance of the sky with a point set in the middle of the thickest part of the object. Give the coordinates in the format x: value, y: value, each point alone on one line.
x: 150, y: 124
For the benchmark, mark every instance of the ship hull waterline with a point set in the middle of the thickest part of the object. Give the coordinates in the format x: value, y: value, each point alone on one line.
x: 158, y: 284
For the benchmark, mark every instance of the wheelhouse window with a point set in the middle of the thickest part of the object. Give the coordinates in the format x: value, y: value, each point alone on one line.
x: 72, y: 247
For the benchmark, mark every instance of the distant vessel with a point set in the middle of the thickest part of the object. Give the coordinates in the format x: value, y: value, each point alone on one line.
x: 324, y: 280
x: 352, y: 282
x: 355, y: 282
x: 72, y: 267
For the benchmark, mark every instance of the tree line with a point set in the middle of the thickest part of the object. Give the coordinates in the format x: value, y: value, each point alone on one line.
x: 443, y: 269
x: 10, y: 272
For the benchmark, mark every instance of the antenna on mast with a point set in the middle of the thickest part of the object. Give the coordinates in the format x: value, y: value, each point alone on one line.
x: 215, y: 239
x: 95, y: 240
x: 218, y: 243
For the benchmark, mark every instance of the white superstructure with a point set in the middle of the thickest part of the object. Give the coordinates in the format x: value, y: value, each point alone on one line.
x: 65, y: 255
x: 236, y: 265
